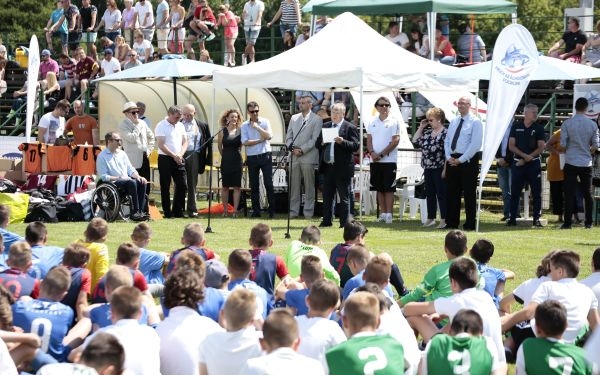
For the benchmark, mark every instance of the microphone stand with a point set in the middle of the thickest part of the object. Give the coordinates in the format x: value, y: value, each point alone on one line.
x: 291, y: 151
x: 204, y: 144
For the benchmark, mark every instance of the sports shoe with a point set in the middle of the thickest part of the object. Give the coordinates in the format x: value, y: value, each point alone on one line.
x: 388, y: 219
x: 382, y: 218
x: 138, y: 216
x: 537, y: 224
x: 210, y: 37
x: 429, y: 223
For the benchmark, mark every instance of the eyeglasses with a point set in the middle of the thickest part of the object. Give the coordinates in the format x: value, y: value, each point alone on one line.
x: 255, y: 111
x: 118, y: 140
x: 383, y: 105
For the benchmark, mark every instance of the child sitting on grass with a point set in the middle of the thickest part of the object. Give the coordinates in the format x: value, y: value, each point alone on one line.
x: 481, y: 252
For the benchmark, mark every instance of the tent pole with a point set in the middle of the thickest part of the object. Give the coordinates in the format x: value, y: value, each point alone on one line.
x: 431, y: 22
x: 212, y: 118
x: 174, y: 90
x: 478, y: 207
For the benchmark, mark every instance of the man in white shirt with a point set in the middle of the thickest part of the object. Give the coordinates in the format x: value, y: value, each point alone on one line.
x: 280, y: 341
x: 143, y: 15
x: 108, y: 66
x: 396, y: 36
x: 52, y: 124
x: 252, y: 16
x: 172, y: 144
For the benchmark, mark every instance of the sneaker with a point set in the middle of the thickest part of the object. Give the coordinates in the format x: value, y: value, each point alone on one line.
x: 138, y: 216
x: 537, y: 224
x: 429, y: 223
x: 388, y: 219
x: 210, y: 37
x: 381, y: 218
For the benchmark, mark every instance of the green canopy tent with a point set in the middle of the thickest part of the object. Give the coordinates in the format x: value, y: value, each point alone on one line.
x: 398, y: 7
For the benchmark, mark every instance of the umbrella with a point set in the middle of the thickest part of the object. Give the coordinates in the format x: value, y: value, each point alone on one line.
x: 549, y: 69
x: 169, y: 68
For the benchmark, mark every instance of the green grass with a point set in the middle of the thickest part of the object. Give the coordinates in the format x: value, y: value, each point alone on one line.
x: 415, y: 249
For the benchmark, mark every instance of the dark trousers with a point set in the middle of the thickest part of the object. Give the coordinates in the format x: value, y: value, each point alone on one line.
x: 334, y: 181
x: 192, y: 161
x: 557, y: 197
x: 462, y: 181
x: 531, y: 174
x: 168, y: 169
x: 136, y: 190
x: 572, y: 175
x: 144, y: 171
x: 435, y: 188
x: 257, y: 163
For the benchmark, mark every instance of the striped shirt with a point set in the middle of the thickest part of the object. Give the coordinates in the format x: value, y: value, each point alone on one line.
x: 288, y: 12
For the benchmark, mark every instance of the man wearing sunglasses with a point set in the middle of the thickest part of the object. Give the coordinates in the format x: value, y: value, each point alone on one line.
x: 114, y: 166
x: 383, y: 136
x: 138, y: 139
x: 256, y: 134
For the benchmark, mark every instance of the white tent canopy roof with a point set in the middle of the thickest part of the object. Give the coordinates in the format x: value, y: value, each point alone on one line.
x: 549, y: 69
x: 346, y: 54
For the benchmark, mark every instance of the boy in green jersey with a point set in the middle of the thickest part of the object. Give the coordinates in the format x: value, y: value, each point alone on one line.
x: 365, y: 352
x: 547, y: 354
x: 464, y: 350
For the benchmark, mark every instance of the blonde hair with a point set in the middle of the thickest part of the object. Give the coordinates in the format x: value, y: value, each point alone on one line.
x: 226, y: 113
x: 51, y: 80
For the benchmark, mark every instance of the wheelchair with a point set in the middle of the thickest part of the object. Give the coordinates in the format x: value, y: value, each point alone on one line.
x: 110, y: 203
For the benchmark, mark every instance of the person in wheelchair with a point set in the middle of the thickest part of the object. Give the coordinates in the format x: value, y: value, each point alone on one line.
x: 114, y: 166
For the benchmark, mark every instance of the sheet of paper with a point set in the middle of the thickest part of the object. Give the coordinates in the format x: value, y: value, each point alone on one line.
x: 329, y: 134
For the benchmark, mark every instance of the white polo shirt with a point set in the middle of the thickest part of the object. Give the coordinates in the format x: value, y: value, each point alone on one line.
x: 174, y: 135
x: 317, y: 335
x: 593, y: 282
x: 381, y: 134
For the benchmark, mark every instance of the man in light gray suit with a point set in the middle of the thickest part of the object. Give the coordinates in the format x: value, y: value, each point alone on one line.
x: 303, y: 131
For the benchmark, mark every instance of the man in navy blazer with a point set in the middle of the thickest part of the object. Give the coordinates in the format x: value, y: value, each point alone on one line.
x: 337, y: 165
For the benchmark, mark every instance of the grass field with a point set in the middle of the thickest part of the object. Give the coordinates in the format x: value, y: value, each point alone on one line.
x: 414, y: 248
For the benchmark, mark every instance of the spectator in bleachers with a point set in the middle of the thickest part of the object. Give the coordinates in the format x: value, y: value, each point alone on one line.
x: 162, y: 25
x: 573, y: 40
x: 70, y: 16
x: 107, y: 43
x: 89, y: 14
x: 289, y: 41
x: 305, y: 34
x: 470, y: 45
x: 51, y: 89
x: 3, y: 85
x: 321, y: 22
x: 591, y: 49
x: 396, y: 36
x: 444, y: 52
x: 205, y: 56
x: 145, y: 18
x: 252, y: 15
x: 177, y: 31
x: 419, y: 43
x: 143, y: 47
x: 122, y: 51
x: 66, y: 69
x: 229, y: 22
x: 133, y: 60
x: 60, y: 32
x: 289, y: 12
x: 86, y: 69
x: 128, y: 21
x: 47, y: 64
x: 111, y: 20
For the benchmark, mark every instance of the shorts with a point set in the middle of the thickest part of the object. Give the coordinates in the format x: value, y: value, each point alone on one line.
x: 383, y: 177
x: 520, y: 332
x: 89, y: 37
x: 162, y: 37
x: 251, y: 36
x: 148, y: 34
x: 62, y: 36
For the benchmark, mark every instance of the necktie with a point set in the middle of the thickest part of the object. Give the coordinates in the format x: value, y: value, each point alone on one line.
x: 456, y: 135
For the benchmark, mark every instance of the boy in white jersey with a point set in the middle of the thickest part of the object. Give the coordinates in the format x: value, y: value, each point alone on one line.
x: 464, y: 350
x: 593, y: 280
x: 318, y: 332
x: 548, y: 354
x: 578, y: 299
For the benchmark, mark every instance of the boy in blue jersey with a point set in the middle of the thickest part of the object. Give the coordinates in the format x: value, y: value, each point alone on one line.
x: 192, y: 239
x: 311, y: 270
x: 151, y: 262
x: 75, y: 259
x: 481, y: 252
x: 43, y: 256
x: 15, y: 278
x: 51, y: 319
x: 8, y: 238
x: 239, y: 267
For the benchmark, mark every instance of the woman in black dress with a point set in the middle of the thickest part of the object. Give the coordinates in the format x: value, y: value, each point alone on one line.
x: 230, y: 144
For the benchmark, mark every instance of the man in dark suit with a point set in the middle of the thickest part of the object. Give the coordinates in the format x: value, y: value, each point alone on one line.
x: 337, y: 165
